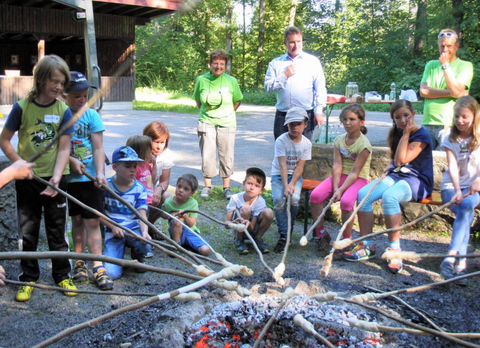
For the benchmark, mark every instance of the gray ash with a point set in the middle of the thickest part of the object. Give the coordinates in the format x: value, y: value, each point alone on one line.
x: 238, y: 324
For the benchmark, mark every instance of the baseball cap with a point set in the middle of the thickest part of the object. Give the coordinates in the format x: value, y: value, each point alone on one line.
x: 125, y: 154
x: 295, y: 114
x: 78, y: 82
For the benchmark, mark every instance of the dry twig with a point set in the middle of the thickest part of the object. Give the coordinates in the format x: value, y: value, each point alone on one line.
x: 347, y: 242
x: 228, y: 272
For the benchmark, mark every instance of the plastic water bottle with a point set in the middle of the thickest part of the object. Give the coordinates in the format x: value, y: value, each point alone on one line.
x: 393, y: 92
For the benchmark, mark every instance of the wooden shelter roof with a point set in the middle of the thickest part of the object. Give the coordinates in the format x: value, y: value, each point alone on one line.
x: 143, y: 10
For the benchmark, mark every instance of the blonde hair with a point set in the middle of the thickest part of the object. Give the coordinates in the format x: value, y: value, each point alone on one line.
x: 471, y: 104
x: 43, y: 71
x: 142, y: 145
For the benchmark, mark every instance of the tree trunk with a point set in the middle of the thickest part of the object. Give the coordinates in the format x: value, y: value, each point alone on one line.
x: 261, y: 39
x: 244, y: 34
x: 293, y: 11
x: 420, y: 28
x: 458, y: 14
x: 228, y: 35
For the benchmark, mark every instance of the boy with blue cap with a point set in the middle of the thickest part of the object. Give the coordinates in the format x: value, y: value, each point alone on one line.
x: 124, y: 184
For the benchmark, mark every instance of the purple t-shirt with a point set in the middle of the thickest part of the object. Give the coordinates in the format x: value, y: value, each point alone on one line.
x: 419, y: 172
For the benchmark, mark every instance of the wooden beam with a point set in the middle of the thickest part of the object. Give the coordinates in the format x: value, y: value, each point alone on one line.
x: 161, y: 4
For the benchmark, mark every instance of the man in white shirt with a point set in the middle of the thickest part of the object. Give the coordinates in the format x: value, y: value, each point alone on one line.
x: 298, y: 79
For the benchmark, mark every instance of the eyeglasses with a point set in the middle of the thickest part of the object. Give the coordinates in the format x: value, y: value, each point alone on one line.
x: 446, y: 34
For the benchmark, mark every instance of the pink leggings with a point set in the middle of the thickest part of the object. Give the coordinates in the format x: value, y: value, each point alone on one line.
x: 325, y: 190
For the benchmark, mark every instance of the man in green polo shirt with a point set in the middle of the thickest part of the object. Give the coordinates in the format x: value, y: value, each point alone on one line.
x: 444, y: 81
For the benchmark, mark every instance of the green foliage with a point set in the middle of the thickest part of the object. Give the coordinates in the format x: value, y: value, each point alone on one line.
x: 367, y: 41
x: 155, y: 106
x: 258, y: 97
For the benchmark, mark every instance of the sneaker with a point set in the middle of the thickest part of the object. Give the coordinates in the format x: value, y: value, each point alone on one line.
x: 68, y: 284
x: 24, y: 293
x: 458, y: 273
x: 140, y: 259
x: 261, y: 246
x: 323, y: 243
x: 394, y: 265
x: 148, y: 255
x: 101, y: 278
x: 447, y: 269
x: 205, y: 192
x: 241, y: 247
x: 360, y: 252
x: 319, y: 233
x: 80, y: 272
x: 227, y: 193
x: 280, y: 245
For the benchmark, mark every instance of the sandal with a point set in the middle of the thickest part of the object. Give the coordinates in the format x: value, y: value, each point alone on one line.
x: 395, y: 265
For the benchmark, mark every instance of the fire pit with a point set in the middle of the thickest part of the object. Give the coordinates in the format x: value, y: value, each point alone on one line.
x: 238, y: 324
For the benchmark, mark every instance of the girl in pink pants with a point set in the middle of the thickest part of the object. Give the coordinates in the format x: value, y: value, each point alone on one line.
x: 352, y: 153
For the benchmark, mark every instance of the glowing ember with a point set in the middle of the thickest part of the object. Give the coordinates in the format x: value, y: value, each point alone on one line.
x: 238, y: 324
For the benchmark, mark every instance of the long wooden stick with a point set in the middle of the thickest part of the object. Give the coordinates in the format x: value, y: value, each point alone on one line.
x: 32, y: 255
x: 308, y: 327
x: 347, y: 242
x: 374, y: 327
x: 304, y: 239
x: 371, y: 296
x: 415, y: 326
x: 329, y: 258
x: 280, y: 269
x: 78, y: 291
x: 414, y: 256
x: 146, y: 222
x: 410, y: 307
x: 123, y: 67
x: 285, y: 298
x: 128, y: 231
x: 223, y: 274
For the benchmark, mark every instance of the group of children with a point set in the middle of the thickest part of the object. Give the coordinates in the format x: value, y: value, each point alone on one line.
x: 142, y: 172
x: 409, y: 177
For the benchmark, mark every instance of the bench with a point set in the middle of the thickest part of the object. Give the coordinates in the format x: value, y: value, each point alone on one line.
x: 310, y: 184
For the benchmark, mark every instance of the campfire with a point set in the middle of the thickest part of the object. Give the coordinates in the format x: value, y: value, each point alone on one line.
x: 238, y: 324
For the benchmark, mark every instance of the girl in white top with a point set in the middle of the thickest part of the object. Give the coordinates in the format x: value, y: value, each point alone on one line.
x: 163, y: 164
x: 463, y: 155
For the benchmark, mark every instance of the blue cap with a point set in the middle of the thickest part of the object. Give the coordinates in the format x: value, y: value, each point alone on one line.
x: 125, y: 154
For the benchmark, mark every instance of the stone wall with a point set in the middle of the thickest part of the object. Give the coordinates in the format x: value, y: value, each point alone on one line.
x: 8, y: 213
x: 322, y: 160
x: 320, y: 168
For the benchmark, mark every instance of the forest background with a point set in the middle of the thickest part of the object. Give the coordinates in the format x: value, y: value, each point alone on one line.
x: 371, y: 42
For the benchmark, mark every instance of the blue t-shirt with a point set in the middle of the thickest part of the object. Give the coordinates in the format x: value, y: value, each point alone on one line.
x: 81, y: 143
x: 419, y: 172
x: 118, y: 212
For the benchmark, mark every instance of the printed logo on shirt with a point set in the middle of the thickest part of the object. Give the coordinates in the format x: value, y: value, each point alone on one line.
x: 347, y: 155
x: 43, y: 132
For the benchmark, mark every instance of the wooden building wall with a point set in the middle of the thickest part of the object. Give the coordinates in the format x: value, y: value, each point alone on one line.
x: 22, y: 27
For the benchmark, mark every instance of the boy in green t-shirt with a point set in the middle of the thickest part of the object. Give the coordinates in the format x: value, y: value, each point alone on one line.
x: 187, y: 184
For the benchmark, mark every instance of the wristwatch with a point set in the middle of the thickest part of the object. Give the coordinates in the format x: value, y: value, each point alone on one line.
x: 445, y: 66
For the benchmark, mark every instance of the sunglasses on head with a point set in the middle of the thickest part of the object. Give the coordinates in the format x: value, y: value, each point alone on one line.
x: 446, y: 34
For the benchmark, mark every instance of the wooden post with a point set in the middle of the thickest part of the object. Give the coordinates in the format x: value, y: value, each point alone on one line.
x: 40, y: 49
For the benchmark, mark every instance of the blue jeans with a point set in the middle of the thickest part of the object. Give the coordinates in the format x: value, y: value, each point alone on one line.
x: 464, y: 214
x: 390, y: 191
x: 115, y: 247
x: 277, y: 195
